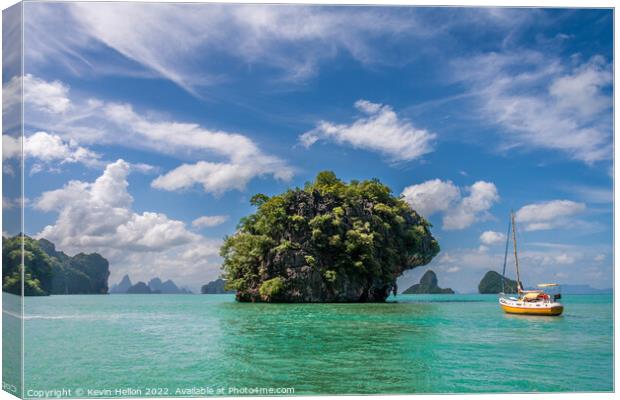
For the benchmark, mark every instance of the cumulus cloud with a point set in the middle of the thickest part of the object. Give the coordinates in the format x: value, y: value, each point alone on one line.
x: 492, y: 237
x: 432, y: 196
x: 543, y: 102
x: 379, y: 129
x: 50, y: 97
x: 549, y: 215
x: 11, y: 147
x: 48, y: 151
x: 482, y: 195
x: 209, y: 221
x: 98, y: 215
x: 459, y: 212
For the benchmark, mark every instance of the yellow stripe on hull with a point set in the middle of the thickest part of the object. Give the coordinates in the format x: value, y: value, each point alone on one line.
x: 551, y: 311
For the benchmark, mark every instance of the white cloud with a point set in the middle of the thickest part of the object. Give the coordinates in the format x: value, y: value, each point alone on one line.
x: 11, y: 147
x: 492, y: 237
x: 543, y: 102
x: 473, y: 207
x: 246, y: 160
x: 546, y: 262
x: 98, y: 215
x: 549, y: 214
x: 9, y: 203
x: 181, y: 41
x: 459, y: 212
x: 51, y: 148
x: 380, y: 129
x: 47, y: 96
x: 209, y: 221
x: 432, y: 196
x: 238, y: 158
x: 599, y: 257
x: 48, y: 151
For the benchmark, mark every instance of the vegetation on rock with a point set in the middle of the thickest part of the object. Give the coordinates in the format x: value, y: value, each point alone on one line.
x: 328, y: 242
x: 38, y: 267
x: 492, y: 283
x: 49, y: 271
x: 428, y: 285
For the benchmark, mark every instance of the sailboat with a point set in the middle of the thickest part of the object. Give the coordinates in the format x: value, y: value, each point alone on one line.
x: 528, y: 302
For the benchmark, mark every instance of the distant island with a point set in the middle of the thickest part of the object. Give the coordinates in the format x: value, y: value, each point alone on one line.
x: 216, y: 287
x: 155, y: 286
x: 491, y: 283
x: 428, y: 285
x: 328, y: 242
x: 48, y: 271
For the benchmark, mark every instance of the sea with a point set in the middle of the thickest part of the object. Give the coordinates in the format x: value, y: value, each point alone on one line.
x: 210, y: 345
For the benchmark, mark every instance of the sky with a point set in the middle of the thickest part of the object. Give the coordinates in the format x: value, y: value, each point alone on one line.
x: 148, y: 127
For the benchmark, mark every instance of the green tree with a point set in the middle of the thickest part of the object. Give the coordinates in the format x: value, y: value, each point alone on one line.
x: 38, y: 267
x: 330, y: 241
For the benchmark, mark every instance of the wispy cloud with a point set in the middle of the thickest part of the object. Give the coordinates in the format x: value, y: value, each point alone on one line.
x: 543, y: 102
x: 379, y: 129
x: 234, y: 158
x: 209, y: 221
x: 550, y: 214
x: 181, y: 42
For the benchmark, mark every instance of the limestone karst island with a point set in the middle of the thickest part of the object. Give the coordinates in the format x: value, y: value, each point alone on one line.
x: 328, y: 242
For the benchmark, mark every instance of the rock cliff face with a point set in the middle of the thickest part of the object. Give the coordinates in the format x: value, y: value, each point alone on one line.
x: 215, y: 287
x: 428, y: 285
x: 122, y: 286
x: 49, y: 271
x: 80, y: 274
x: 139, y: 288
x: 155, y: 286
x: 327, y: 242
x: 167, y: 287
x: 492, y: 283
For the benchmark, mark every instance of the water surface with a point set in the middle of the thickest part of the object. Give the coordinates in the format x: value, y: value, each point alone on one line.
x: 414, y: 344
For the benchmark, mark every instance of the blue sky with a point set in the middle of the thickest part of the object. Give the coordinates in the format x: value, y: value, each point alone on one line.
x: 149, y: 127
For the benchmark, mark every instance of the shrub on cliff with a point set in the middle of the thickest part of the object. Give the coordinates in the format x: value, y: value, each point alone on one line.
x: 328, y: 242
x: 38, y: 273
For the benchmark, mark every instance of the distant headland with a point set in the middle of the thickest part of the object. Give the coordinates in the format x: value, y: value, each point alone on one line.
x: 49, y: 271
x: 155, y: 286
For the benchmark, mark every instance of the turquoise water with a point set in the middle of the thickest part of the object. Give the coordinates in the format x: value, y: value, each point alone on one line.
x: 417, y: 344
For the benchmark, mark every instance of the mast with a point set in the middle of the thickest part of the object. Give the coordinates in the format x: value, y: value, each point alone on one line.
x: 514, y: 240
x: 506, y: 255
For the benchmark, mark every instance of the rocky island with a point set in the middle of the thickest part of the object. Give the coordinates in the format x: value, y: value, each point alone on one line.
x: 328, y: 242
x: 428, y: 285
x: 216, y: 287
x: 155, y: 286
x: 48, y: 271
x: 491, y: 283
